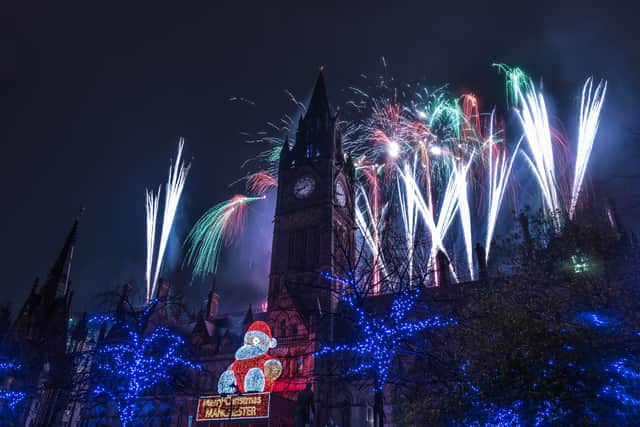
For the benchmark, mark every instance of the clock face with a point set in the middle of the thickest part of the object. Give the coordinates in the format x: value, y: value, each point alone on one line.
x: 304, y: 187
x: 341, y: 195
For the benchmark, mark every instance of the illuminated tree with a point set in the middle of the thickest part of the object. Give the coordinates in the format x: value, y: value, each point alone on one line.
x: 544, y: 343
x: 380, y: 338
x: 10, y: 396
x: 135, y: 365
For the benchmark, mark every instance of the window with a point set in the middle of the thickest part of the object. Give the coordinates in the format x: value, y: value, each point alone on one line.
x: 301, y: 248
x: 283, y: 328
x: 293, y: 330
x: 297, y: 248
x: 312, y: 247
x: 292, y: 248
x: 580, y: 264
x: 369, y: 416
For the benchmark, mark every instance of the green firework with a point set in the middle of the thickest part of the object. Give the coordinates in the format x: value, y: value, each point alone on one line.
x: 517, y: 82
x: 220, y: 224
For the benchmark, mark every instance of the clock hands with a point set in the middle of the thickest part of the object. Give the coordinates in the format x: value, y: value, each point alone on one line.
x: 304, y: 187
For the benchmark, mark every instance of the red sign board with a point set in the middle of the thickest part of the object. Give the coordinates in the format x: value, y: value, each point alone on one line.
x: 233, y: 407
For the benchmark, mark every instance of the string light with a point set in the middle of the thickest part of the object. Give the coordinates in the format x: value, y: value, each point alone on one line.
x: 131, y: 367
x: 380, y: 337
x: 12, y: 398
x: 101, y: 318
x: 594, y: 319
x: 9, y: 366
x: 623, y: 384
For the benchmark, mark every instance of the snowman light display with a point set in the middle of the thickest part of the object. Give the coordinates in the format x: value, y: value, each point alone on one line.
x: 253, y: 370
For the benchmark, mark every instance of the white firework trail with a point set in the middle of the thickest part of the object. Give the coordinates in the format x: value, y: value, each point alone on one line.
x: 499, y: 165
x: 175, y: 184
x: 590, y: 107
x: 448, y: 209
x: 370, y: 230
x: 409, y: 211
x: 151, y: 206
x: 461, y: 172
x: 534, y: 119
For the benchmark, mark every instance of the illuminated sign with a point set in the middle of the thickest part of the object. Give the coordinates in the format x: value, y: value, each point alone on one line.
x: 234, y: 407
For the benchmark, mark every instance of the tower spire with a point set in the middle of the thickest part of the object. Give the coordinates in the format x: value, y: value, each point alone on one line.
x: 316, y: 135
x: 319, y: 103
x: 57, y: 282
x: 285, y: 162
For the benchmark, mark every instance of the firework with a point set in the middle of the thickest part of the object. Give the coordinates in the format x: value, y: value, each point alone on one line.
x: 173, y: 190
x: 220, y: 224
x: 409, y: 212
x: 152, y: 199
x: 590, y: 106
x: 446, y: 214
x: 532, y: 113
x: 447, y: 112
x: 369, y: 230
x: 461, y: 176
x: 471, y: 111
x: 370, y: 223
x: 260, y: 182
x: 427, y: 156
x: 499, y: 167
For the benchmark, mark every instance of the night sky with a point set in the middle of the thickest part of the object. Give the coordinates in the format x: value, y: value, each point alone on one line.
x: 95, y: 94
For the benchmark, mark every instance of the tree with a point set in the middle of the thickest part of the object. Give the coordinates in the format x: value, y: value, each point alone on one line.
x: 551, y: 341
x: 135, y: 365
x: 139, y: 355
x: 379, y: 339
x: 11, y: 397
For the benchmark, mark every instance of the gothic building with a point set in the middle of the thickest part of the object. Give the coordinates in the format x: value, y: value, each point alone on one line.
x: 39, y: 338
x: 313, y: 240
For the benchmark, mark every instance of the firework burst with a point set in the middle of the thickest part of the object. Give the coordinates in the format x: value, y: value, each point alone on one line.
x: 223, y: 223
x: 424, y: 159
x: 260, y: 182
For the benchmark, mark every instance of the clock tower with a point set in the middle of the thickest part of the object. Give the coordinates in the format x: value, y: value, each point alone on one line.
x: 314, y: 230
x: 313, y: 238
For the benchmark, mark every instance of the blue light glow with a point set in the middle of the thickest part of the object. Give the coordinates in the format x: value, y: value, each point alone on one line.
x: 379, y: 338
x: 624, y: 384
x: 595, y: 319
x: 131, y: 367
x: 12, y: 398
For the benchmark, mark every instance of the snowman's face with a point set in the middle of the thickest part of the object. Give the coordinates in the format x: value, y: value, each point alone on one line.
x: 256, y: 343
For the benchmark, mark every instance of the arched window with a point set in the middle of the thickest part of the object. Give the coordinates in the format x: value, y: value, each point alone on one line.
x: 369, y: 416
x: 283, y: 328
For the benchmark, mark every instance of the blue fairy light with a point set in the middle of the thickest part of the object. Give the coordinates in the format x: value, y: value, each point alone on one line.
x: 133, y: 366
x: 594, y: 319
x: 379, y: 338
x: 12, y: 398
